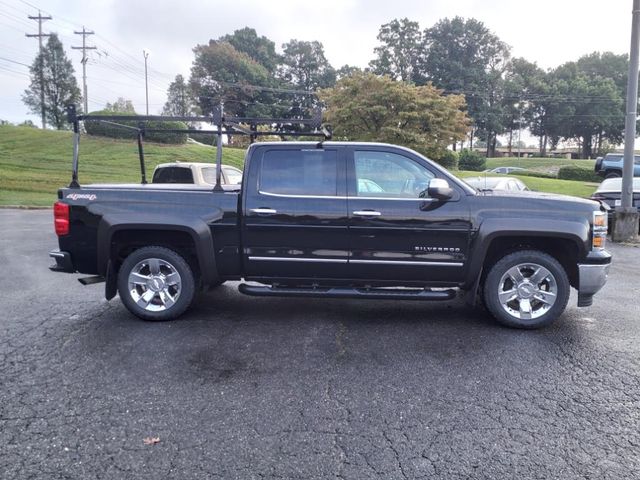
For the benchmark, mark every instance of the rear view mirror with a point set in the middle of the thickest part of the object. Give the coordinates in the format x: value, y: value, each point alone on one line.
x: 439, y: 189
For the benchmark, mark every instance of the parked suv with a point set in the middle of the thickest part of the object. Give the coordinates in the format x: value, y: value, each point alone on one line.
x: 610, y: 166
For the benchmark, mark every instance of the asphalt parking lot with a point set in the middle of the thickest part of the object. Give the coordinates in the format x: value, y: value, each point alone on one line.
x: 246, y: 387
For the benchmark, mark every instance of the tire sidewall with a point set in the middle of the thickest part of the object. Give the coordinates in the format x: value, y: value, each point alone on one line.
x: 492, y: 285
x: 187, y: 289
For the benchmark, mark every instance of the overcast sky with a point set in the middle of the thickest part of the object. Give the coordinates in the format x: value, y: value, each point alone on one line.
x: 548, y: 32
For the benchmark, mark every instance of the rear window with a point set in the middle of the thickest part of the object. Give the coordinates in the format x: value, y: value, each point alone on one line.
x: 173, y: 175
x: 299, y: 172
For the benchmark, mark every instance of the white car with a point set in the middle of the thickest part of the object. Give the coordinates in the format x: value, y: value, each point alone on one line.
x: 194, y: 172
x: 509, y: 184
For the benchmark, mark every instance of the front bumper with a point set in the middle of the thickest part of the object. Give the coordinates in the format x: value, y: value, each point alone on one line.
x: 63, y: 262
x: 592, y: 278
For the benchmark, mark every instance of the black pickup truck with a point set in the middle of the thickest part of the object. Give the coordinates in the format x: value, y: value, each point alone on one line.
x: 335, y: 219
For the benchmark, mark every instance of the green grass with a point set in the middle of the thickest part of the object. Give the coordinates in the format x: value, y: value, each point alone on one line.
x: 550, y: 185
x: 35, y: 163
x: 538, y: 164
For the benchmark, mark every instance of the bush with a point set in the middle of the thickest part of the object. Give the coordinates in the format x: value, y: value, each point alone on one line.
x: 112, y: 131
x: 472, y: 160
x: 206, y: 138
x: 572, y: 172
x: 448, y: 159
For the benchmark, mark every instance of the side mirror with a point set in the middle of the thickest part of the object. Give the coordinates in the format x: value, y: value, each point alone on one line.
x: 439, y: 189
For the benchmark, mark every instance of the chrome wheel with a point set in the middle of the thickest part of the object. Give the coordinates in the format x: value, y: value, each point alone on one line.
x: 527, y: 291
x: 154, y: 284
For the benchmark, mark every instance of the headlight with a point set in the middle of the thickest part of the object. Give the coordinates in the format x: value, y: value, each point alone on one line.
x: 599, y: 235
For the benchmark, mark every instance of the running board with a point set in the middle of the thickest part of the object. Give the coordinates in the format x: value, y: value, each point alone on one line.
x: 91, y: 280
x: 345, y: 292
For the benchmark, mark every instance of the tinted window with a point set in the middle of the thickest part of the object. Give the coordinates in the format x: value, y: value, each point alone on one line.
x: 173, y: 175
x: 299, y: 172
x: 383, y: 174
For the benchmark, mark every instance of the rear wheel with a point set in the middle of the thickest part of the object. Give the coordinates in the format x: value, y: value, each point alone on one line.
x: 156, y: 283
x: 526, y: 289
x: 613, y: 174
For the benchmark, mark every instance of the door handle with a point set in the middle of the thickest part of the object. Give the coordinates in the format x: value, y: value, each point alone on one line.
x: 263, y: 211
x: 367, y: 213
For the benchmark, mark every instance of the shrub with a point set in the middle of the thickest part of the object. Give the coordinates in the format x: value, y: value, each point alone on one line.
x: 102, y: 129
x: 447, y: 158
x: 573, y: 172
x: 206, y: 138
x: 472, y: 160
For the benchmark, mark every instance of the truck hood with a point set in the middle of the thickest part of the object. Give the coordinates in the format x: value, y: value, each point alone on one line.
x: 529, y: 195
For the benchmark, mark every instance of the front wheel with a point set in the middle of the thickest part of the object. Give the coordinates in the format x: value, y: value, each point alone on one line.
x: 156, y: 283
x: 526, y: 289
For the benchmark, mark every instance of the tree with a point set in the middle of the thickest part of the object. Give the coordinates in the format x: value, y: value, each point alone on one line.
x: 222, y: 73
x: 260, y: 49
x: 304, y: 67
x: 367, y: 107
x: 52, y: 71
x: 400, y: 54
x: 464, y: 56
x: 121, y: 105
x: 346, y: 70
x: 179, y: 100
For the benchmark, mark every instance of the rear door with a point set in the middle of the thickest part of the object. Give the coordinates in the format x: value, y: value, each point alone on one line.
x: 395, y: 234
x: 295, y: 214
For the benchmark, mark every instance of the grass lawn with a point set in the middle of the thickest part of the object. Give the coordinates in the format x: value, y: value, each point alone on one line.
x: 549, y: 165
x: 35, y: 163
x: 550, y: 185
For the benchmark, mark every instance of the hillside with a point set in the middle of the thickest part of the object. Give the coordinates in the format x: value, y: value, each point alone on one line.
x: 35, y: 163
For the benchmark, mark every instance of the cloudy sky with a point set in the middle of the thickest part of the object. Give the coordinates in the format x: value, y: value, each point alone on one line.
x: 548, y: 32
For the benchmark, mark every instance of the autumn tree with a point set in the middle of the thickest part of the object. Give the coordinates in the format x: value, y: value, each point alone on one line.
x: 368, y: 107
x: 53, y: 72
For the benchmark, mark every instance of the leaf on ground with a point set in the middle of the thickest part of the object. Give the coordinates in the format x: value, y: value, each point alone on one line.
x: 151, y: 440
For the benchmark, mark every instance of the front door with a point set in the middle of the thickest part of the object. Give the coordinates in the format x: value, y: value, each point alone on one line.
x: 395, y: 233
x: 295, y: 214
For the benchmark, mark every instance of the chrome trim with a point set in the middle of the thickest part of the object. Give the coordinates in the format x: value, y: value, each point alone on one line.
x: 270, y: 211
x: 294, y: 259
x: 591, y: 278
x: 344, y: 197
x: 56, y: 254
x: 367, y: 213
x: 408, y: 262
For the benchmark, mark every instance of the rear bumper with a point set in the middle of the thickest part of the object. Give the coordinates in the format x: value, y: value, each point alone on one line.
x: 63, y: 262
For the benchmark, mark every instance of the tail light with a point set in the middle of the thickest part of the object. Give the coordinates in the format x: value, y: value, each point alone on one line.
x: 61, y: 218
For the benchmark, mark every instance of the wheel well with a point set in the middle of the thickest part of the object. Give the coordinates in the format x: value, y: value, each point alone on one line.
x: 563, y: 250
x: 124, y: 242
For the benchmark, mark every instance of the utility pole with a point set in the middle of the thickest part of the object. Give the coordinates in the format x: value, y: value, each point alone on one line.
x: 40, y: 19
x: 625, y: 227
x: 84, y: 61
x: 145, y: 54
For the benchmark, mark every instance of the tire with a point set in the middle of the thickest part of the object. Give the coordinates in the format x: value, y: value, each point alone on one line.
x: 156, y: 283
x: 520, y: 294
x: 612, y: 174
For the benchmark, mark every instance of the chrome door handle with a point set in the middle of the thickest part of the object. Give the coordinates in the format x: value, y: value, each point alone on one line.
x: 367, y: 213
x: 263, y: 211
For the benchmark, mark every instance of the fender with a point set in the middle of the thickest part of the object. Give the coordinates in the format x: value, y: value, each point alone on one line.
x: 197, y: 229
x: 552, y: 228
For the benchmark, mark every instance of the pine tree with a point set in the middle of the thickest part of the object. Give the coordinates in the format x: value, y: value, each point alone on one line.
x: 60, y: 85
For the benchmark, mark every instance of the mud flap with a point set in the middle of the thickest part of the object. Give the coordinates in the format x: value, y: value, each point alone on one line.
x: 111, y: 284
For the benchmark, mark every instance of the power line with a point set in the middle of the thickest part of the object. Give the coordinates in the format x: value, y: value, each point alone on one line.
x: 39, y: 35
x: 13, y: 61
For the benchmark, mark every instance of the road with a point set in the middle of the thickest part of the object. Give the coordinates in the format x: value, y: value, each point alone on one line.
x: 262, y: 388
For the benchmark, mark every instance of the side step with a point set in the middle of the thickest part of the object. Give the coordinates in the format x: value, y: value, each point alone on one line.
x: 346, y: 292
